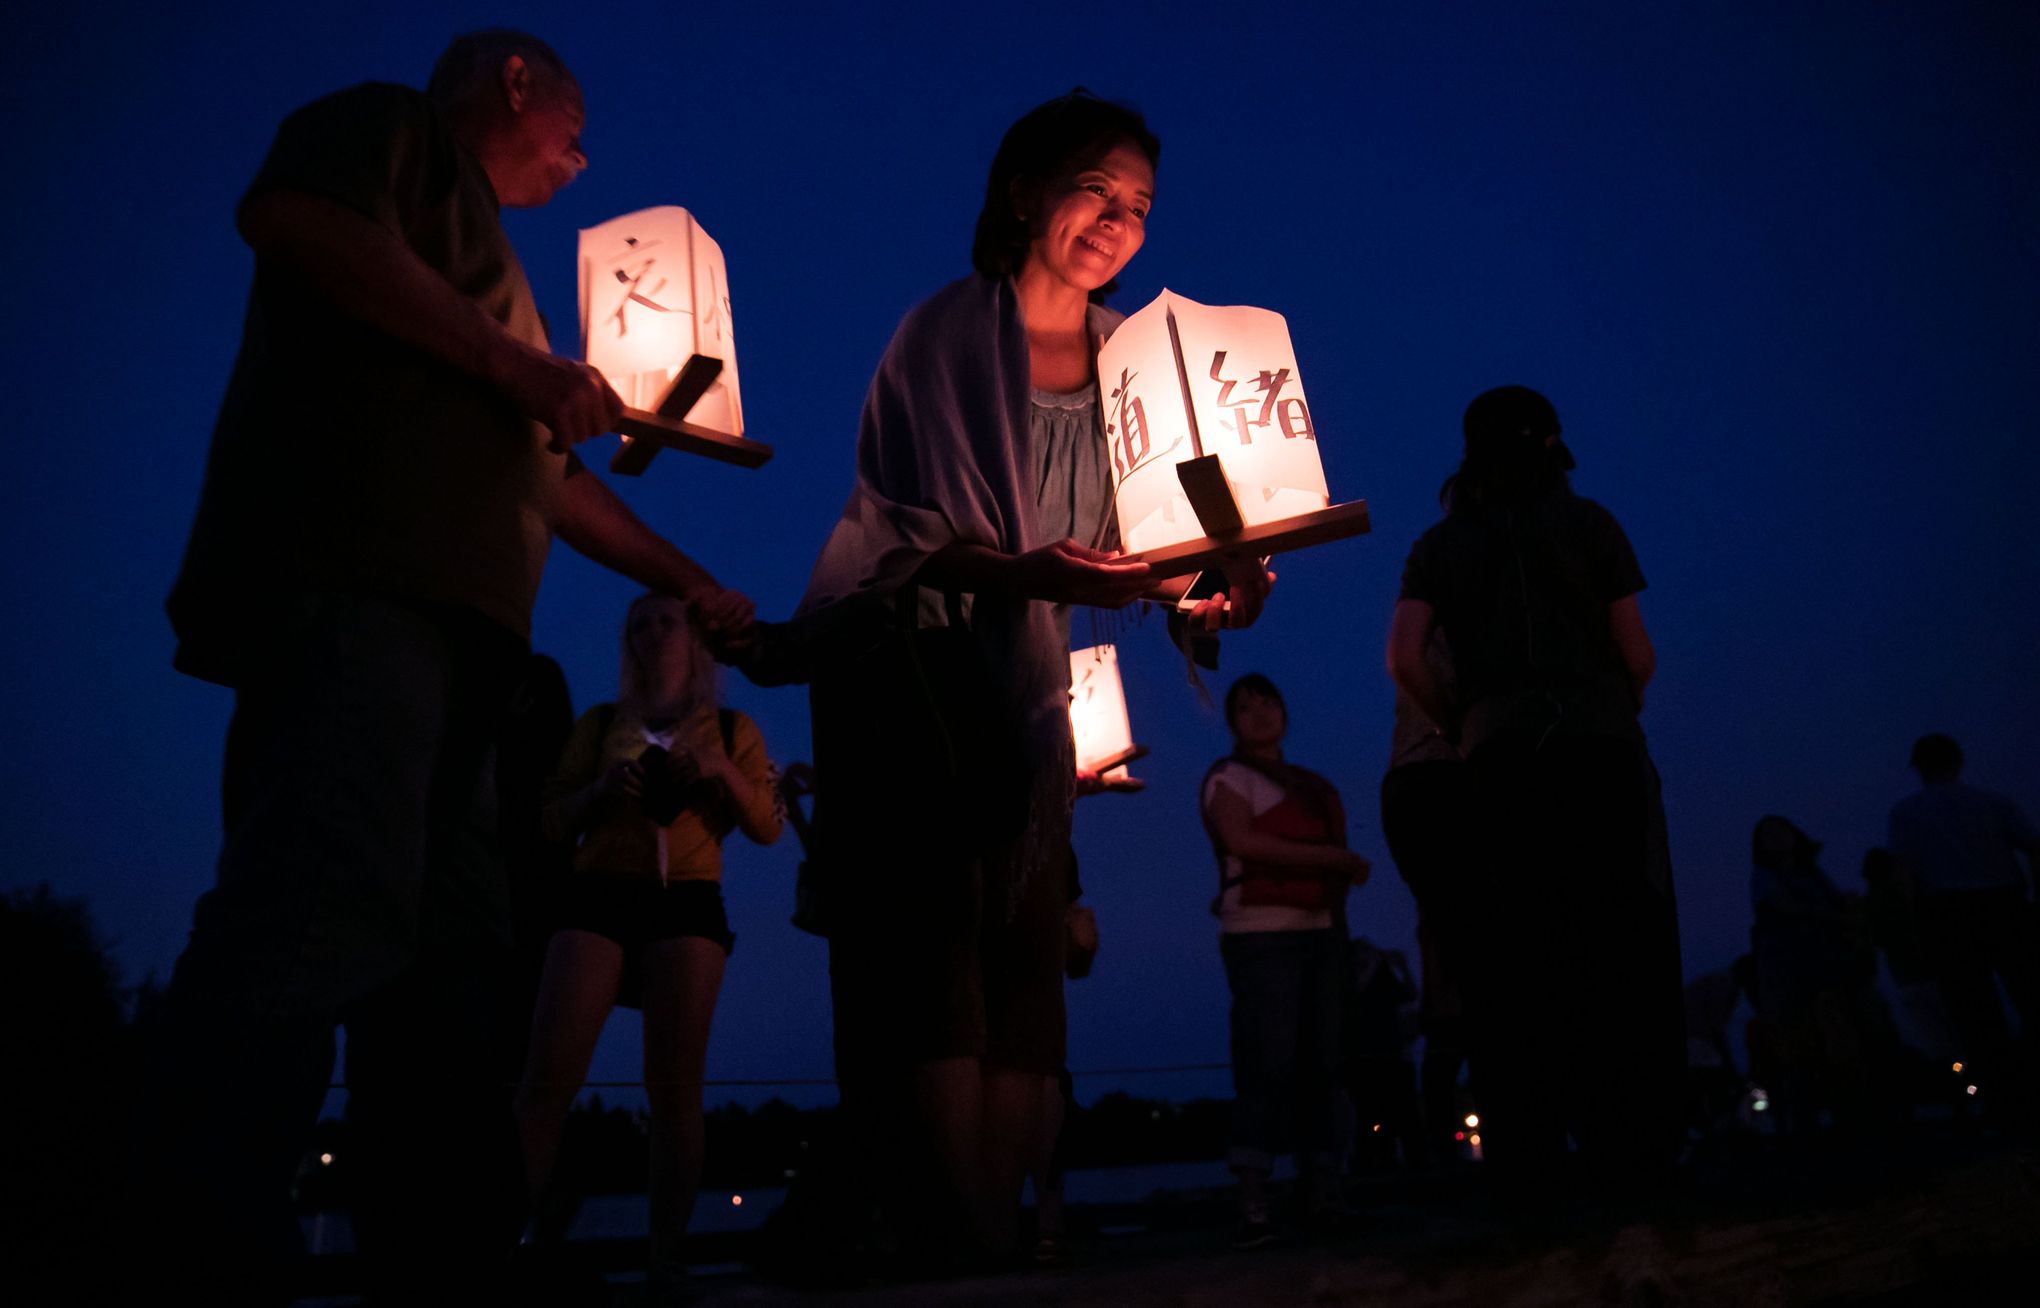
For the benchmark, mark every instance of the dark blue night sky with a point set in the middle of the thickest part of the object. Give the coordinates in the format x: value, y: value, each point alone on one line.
x: 1777, y: 266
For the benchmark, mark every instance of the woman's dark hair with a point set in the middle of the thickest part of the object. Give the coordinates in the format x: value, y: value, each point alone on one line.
x: 1253, y: 683
x: 1511, y: 451
x: 1070, y: 131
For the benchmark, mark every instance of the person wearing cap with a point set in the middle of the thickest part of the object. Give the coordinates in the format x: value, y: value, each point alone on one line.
x: 1958, y: 848
x: 1574, y: 994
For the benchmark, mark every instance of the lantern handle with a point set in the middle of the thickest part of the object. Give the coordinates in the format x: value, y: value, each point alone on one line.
x: 1183, y: 378
x: 1202, y: 476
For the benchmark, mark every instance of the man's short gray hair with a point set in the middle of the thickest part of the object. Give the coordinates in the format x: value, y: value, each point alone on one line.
x: 472, y: 61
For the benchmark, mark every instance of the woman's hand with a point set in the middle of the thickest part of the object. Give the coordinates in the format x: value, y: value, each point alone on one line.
x: 1247, y: 584
x: 1069, y: 573
x: 769, y: 654
x: 682, y: 767
x: 797, y: 780
x: 726, y: 618
x: 624, y: 781
x: 626, y: 778
x: 717, y: 766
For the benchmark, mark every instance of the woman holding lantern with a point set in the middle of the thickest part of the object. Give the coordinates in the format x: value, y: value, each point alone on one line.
x: 982, y: 511
x: 648, y: 788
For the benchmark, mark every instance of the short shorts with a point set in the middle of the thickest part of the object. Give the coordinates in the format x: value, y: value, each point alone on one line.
x: 635, y: 911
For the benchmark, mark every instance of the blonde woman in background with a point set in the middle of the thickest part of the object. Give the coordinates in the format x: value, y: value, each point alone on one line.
x: 648, y: 788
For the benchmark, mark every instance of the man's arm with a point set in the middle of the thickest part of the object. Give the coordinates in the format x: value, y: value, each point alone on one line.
x: 370, y: 275
x: 596, y: 523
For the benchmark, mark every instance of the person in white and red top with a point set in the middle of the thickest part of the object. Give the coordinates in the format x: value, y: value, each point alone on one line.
x: 1280, y: 835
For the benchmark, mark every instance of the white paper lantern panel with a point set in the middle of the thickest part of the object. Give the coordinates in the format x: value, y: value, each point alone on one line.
x: 655, y: 293
x: 1098, y: 718
x: 1183, y: 379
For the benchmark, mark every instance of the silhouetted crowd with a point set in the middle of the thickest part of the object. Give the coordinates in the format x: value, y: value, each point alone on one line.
x: 1867, y: 1006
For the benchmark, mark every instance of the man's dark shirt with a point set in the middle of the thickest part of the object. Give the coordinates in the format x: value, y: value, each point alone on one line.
x: 1522, y: 593
x: 343, y: 459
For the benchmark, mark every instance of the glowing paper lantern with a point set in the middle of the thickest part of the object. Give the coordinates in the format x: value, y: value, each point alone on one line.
x: 1214, y: 449
x: 1098, y: 712
x: 655, y: 317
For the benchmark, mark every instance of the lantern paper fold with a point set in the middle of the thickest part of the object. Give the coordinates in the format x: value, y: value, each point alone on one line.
x: 1098, y: 718
x: 1182, y: 380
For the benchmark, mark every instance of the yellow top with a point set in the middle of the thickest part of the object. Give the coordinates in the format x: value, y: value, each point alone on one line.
x: 619, y: 840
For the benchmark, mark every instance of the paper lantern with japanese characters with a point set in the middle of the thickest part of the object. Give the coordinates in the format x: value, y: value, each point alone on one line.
x: 1098, y: 712
x: 655, y: 317
x: 1212, y: 440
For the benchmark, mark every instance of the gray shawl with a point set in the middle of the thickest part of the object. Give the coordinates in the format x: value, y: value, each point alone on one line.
x: 945, y: 453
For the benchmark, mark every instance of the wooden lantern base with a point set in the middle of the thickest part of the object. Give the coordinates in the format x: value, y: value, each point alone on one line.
x: 1186, y: 558
x: 1121, y: 759
x: 646, y: 432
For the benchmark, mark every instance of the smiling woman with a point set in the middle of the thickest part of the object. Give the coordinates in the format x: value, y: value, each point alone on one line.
x: 983, y: 506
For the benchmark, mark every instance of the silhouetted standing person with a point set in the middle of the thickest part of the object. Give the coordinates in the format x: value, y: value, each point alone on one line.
x: 1575, y: 995
x: 1377, y: 1061
x: 1959, y: 847
x: 1714, y: 1078
x: 390, y: 465
x: 1426, y: 798
x: 1813, y: 978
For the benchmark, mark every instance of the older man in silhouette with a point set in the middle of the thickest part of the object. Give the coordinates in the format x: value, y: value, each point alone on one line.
x: 391, y: 462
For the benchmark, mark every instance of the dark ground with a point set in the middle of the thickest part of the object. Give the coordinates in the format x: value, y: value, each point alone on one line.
x: 1937, y: 1214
